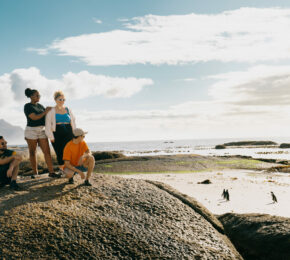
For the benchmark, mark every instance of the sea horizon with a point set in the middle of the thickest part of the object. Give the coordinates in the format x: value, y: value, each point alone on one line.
x: 204, y: 147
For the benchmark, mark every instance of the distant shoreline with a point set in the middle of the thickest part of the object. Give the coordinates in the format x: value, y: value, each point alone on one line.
x: 255, y: 152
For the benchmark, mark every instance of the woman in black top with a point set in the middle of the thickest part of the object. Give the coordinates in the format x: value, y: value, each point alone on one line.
x: 34, y: 131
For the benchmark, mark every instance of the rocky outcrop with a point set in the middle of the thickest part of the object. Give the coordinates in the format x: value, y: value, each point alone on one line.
x: 258, y: 236
x: 105, y: 155
x: 280, y: 168
x: 284, y: 145
x: 220, y: 146
x: 243, y: 143
x: 115, y: 219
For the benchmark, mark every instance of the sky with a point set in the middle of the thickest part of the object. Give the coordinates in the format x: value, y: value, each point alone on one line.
x: 151, y: 70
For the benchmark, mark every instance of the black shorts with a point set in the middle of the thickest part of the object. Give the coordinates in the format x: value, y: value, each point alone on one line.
x: 3, y: 174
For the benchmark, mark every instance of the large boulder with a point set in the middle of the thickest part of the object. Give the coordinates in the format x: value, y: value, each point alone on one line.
x: 117, y: 218
x: 259, y: 236
x: 243, y: 143
x: 284, y: 145
x: 105, y: 155
x: 220, y: 146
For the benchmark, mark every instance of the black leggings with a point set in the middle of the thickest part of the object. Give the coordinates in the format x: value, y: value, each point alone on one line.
x: 62, y: 135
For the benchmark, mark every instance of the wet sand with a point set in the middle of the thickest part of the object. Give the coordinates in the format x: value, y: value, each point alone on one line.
x: 249, y: 190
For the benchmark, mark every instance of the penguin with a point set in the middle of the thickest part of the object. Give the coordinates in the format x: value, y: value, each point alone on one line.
x: 274, y: 198
x: 224, y: 194
x: 227, y: 195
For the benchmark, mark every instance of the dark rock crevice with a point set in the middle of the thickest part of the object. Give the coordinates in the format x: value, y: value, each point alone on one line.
x: 198, y: 208
x: 192, y: 203
x: 258, y: 236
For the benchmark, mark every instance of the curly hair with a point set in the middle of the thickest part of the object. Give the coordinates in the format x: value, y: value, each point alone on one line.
x: 29, y: 92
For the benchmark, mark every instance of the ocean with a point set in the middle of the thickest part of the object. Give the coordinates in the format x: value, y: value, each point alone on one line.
x: 195, y: 146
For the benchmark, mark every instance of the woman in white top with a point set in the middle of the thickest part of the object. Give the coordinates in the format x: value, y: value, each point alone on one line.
x: 59, y: 124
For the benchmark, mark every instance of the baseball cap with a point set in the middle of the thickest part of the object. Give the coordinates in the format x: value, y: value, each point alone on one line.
x: 78, y: 132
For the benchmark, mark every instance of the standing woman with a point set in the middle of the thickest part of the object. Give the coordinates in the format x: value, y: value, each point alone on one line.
x: 59, y: 124
x: 34, y: 131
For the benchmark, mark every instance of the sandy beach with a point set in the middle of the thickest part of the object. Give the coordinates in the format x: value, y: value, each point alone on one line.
x: 249, y: 190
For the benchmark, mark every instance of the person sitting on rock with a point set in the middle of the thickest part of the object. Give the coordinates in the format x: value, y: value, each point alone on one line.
x: 9, y: 165
x: 78, y: 158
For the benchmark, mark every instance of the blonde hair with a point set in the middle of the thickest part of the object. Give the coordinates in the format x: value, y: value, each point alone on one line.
x: 58, y: 94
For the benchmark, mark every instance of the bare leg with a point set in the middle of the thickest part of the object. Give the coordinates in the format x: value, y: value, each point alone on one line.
x: 15, y: 173
x: 68, y: 173
x: 13, y: 168
x: 43, y: 143
x: 32, y: 144
x: 90, y: 164
x: 16, y: 169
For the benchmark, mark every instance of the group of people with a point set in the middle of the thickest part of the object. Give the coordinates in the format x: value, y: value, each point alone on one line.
x: 58, y: 125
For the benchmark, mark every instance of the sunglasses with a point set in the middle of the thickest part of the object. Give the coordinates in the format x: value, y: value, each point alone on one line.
x: 61, y: 99
x: 3, y: 143
x: 80, y: 136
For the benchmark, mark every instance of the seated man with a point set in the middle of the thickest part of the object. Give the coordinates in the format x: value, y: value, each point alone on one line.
x: 78, y: 158
x: 9, y: 165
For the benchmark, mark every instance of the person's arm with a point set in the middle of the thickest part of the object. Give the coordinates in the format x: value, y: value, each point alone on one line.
x: 6, y: 160
x: 48, y: 126
x: 73, y: 119
x: 85, y: 155
x: 9, y: 159
x: 34, y: 116
x: 88, y: 152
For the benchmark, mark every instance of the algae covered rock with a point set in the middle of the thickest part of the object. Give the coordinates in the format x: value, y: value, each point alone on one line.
x: 117, y: 218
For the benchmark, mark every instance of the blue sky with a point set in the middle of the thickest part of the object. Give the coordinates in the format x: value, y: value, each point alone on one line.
x: 155, y: 69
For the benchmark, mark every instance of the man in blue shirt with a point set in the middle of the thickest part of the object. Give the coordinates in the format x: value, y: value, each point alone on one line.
x: 9, y: 165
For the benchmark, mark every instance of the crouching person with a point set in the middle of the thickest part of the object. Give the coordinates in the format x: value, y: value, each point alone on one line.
x: 9, y: 166
x: 78, y: 158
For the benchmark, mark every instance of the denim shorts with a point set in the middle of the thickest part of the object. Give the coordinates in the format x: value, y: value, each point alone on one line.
x: 82, y: 168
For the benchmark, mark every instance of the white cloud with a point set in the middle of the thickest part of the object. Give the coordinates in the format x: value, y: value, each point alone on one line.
x: 40, y: 51
x: 258, y: 86
x: 250, y: 103
x: 6, y: 97
x: 75, y: 85
x: 141, y: 125
x: 98, y: 21
x: 242, y: 35
x: 189, y: 79
x: 246, y: 103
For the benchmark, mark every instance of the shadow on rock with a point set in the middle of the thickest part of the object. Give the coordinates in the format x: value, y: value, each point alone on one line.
x: 34, y: 191
x: 258, y: 236
x: 117, y: 218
